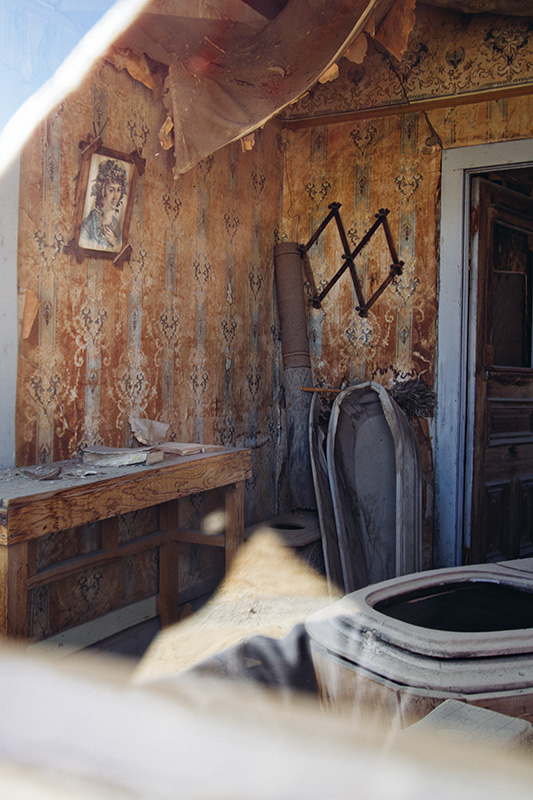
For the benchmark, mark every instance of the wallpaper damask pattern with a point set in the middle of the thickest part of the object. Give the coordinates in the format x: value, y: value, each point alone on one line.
x: 183, y: 332
x: 187, y: 332
x: 377, y: 164
x: 393, y: 161
x: 449, y: 54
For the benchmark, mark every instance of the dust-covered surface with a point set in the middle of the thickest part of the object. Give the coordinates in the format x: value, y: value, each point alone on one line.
x: 24, y: 482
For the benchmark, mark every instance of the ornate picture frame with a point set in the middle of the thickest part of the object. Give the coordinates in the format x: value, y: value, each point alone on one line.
x: 104, y: 203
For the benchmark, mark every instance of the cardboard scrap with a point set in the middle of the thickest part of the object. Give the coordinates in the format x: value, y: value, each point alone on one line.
x: 356, y: 52
x: 43, y: 472
x: 330, y: 74
x: 134, y: 63
x: 475, y: 727
x: 153, y: 434
x: 148, y: 431
x: 248, y: 142
x: 166, y: 135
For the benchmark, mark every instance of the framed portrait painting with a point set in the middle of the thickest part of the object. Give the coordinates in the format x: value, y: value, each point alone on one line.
x: 104, y: 199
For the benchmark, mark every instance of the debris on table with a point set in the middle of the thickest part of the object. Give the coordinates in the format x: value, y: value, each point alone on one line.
x: 43, y: 472
x: 102, y: 456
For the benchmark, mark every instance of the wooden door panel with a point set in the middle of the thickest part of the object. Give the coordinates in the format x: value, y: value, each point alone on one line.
x: 497, y: 521
x: 509, y: 422
x: 502, y: 484
x: 525, y: 518
x: 511, y: 345
x: 504, y: 463
x: 514, y: 383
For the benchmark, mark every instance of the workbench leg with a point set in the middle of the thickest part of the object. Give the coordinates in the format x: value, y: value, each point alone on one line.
x: 234, y: 520
x: 14, y: 590
x: 168, y: 566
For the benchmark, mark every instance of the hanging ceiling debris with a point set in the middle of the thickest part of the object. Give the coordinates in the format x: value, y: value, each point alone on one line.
x: 225, y: 81
x: 225, y: 67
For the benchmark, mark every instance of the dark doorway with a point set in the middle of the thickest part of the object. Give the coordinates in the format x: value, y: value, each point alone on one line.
x: 502, y: 460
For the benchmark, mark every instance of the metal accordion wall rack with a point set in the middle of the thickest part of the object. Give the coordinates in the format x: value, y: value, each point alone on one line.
x: 349, y: 257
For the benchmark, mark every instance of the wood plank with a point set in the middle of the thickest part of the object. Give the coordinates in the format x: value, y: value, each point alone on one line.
x: 4, y: 594
x: 149, y: 541
x: 32, y: 557
x: 198, y: 537
x: 89, y: 633
x: 110, y: 534
x: 17, y: 487
x: 234, y: 520
x: 14, y: 591
x: 98, y: 558
x: 168, y: 599
x: 39, y: 514
x: 414, y: 106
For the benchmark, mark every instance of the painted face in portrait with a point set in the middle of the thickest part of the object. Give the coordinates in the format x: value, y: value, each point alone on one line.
x: 111, y: 197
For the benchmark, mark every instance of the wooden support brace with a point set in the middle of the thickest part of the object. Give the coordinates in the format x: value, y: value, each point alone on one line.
x: 168, y: 602
x: 234, y: 520
x: 14, y: 590
x: 124, y: 255
x: 138, y: 160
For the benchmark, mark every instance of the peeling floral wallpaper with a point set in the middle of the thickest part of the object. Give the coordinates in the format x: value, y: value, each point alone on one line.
x: 449, y: 55
x: 393, y: 161
x: 186, y: 332
x: 368, y: 166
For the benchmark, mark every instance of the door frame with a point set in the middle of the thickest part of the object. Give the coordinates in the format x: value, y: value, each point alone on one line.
x: 453, y: 457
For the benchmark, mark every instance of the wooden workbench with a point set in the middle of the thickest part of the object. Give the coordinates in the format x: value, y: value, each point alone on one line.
x: 31, y: 509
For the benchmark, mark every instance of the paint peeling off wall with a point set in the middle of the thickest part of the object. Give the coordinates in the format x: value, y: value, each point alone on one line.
x: 185, y: 332
x: 450, y: 55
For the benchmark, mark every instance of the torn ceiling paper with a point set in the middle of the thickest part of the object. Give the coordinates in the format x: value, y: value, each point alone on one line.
x: 218, y: 92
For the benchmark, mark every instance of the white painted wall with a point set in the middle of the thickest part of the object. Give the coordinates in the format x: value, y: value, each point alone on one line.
x: 9, y: 204
x: 451, y: 448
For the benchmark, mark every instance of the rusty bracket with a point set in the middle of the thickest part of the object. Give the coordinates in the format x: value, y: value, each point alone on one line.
x: 348, y: 257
